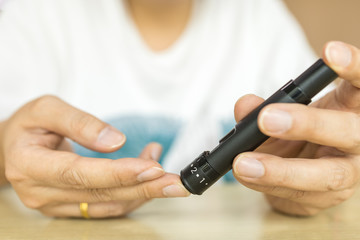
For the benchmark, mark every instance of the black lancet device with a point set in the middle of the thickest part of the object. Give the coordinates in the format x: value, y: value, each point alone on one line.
x: 205, y: 170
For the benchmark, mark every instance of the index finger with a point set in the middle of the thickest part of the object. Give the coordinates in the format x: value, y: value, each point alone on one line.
x: 321, y: 126
x: 68, y: 170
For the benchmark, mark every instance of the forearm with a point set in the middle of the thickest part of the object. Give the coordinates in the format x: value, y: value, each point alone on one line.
x: 3, y: 180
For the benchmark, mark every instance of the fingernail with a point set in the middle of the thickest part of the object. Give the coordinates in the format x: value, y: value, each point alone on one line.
x: 175, y: 191
x: 150, y: 174
x: 110, y: 137
x: 156, y: 153
x: 249, y: 167
x: 276, y: 121
x: 338, y: 54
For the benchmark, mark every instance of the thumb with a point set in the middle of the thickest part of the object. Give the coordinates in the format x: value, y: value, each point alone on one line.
x: 54, y: 115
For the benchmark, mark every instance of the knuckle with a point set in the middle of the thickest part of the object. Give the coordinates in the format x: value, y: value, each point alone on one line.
x: 309, y: 211
x: 287, y: 176
x: 82, y: 122
x: 119, y: 180
x: 115, y: 210
x: 43, y: 102
x: 355, y: 126
x: 298, y: 194
x: 276, y: 190
x: 33, y: 203
x: 101, y: 194
x: 315, y: 126
x: 342, y: 196
x: 14, y: 172
x: 17, y: 168
x: 14, y: 176
x: 309, y: 126
x: 144, y: 192
x: 297, y: 209
x: 15, y: 165
x: 292, y: 208
x: 73, y: 177
x: 341, y: 177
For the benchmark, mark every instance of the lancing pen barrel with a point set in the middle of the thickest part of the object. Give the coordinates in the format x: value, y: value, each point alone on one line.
x: 246, y: 136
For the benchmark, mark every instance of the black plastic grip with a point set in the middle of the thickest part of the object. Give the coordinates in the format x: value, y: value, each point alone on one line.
x: 199, y: 174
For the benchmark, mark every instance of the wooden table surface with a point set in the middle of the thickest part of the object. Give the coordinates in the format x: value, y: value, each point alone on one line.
x: 223, y: 212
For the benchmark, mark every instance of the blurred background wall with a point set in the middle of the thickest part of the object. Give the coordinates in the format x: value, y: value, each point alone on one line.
x: 325, y: 20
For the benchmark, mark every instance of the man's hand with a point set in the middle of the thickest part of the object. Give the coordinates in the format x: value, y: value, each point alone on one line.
x: 312, y: 161
x: 47, y: 176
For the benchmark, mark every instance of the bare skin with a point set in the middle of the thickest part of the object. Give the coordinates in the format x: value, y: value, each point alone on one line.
x: 160, y: 22
x: 47, y: 176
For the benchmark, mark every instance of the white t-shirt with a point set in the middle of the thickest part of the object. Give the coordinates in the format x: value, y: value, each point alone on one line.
x: 89, y: 53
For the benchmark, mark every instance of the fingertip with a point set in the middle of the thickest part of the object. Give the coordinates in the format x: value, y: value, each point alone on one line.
x: 248, y: 166
x: 337, y: 55
x: 245, y: 105
x: 150, y: 174
x: 152, y: 151
x: 274, y: 121
x: 175, y: 190
x: 238, y: 108
x: 110, y: 139
x: 156, y: 151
